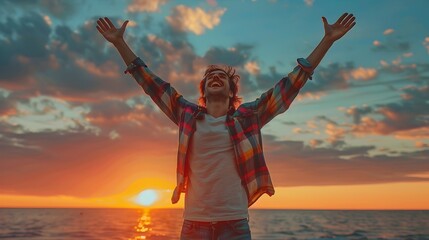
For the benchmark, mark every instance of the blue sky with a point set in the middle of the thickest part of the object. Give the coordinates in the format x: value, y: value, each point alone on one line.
x: 62, y: 86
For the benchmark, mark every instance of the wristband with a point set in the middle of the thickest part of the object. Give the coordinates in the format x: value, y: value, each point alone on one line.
x: 305, y: 66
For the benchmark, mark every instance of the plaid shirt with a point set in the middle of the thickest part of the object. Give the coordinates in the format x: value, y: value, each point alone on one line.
x: 244, y: 125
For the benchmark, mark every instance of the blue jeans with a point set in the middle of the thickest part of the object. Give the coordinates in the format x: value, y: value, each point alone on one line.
x: 221, y: 230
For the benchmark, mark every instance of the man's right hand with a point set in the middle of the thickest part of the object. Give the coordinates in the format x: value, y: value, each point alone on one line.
x: 109, y: 31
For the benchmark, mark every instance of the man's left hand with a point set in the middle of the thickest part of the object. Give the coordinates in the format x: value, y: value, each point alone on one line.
x: 335, y: 31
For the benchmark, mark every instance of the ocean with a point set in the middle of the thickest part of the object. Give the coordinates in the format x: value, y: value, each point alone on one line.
x: 137, y: 224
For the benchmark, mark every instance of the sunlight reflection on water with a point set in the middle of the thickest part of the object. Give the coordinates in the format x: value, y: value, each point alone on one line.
x: 143, y: 225
x: 165, y: 224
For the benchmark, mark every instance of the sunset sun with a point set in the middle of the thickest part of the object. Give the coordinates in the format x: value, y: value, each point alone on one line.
x: 147, y: 197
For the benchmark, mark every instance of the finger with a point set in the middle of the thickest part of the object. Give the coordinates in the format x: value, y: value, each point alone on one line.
x: 350, y: 22
x: 99, y: 29
x: 109, y: 22
x: 124, y: 25
x: 351, y: 26
x: 324, y: 20
x: 106, y: 27
x: 346, y: 19
x: 341, y: 18
x: 101, y: 26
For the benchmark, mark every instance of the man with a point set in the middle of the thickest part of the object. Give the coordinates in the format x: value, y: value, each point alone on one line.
x: 220, y: 163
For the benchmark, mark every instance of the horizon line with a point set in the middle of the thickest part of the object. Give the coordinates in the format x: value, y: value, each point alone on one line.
x: 287, y: 209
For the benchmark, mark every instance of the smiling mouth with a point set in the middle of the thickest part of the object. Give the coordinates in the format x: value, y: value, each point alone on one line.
x: 216, y: 84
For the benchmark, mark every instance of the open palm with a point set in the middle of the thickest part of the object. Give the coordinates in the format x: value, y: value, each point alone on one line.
x: 340, y: 27
x: 109, y: 31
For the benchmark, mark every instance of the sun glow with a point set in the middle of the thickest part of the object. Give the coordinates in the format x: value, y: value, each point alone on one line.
x: 147, y: 197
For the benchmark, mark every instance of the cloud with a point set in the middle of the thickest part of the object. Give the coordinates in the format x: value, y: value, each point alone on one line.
x: 413, y: 134
x: 310, y: 95
x: 396, y: 66
x: 60, y: 9
x: 301, y: 131
x: 212, y: 3
x: 391, y: 45
x: 128, y: 143
x: 336, y: 135
x: 426, y: 44
x: 65, y: 157
x: 422, y: 145
x: 325, y: 119
x: 357, y: 112
x: 309, y: 3
x: 363, y: 73
x: 376, y: 43
x: 31, y: 60
x: 41, y: 113
x: 315, y: 142
x: 267, y: 80
x: 235, y: 56
x: 107, y: 70
x: 323, y: 166
x: 388, y: 31
x: 333, y: 76
x: 402, y: 118
x: 252, y: 67
x: 194, y: 20
x: 23, y: 50
x: 47, y: 20
x: 7, y: 107
x: 145, y: 5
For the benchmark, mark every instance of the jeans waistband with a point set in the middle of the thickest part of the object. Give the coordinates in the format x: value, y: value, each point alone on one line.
x: 216, y: 222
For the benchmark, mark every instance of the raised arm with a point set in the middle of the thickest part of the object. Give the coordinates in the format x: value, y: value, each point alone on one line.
x: 165, y: 96
x: 278, y: 99
x: 332, y: 33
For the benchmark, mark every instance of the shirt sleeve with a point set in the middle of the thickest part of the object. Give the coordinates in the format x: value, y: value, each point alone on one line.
x: 278, y: 99
x: 161, y: 92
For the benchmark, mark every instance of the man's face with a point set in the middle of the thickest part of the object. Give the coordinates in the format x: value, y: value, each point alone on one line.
x: 217, y: 84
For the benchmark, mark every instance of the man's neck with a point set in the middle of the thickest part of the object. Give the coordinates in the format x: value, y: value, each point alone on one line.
x: 217, y: 108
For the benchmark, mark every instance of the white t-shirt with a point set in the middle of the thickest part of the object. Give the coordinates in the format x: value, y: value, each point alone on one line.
x: 215, y: 192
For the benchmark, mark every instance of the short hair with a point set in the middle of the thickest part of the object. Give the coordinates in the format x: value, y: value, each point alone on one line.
x: 233, y: 78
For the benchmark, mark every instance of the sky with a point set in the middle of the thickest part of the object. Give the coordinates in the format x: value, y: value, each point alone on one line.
x: 75, y: 131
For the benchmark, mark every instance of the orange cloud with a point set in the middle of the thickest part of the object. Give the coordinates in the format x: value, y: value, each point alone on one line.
x: 370, y: 125
x: 335, y: 133
x: 412, y: 134
x: 422, y: 145
x: 310, y: 95
x: 47, y: 20
x: 363, y: 73
x: 108, y: 69
x: 376, y: 43
x: 388, y: 31
x: 309, y: 3
x: 315, y: 142
x: 145, y: 5
x: 252, y: 67
x: 194, y: 20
